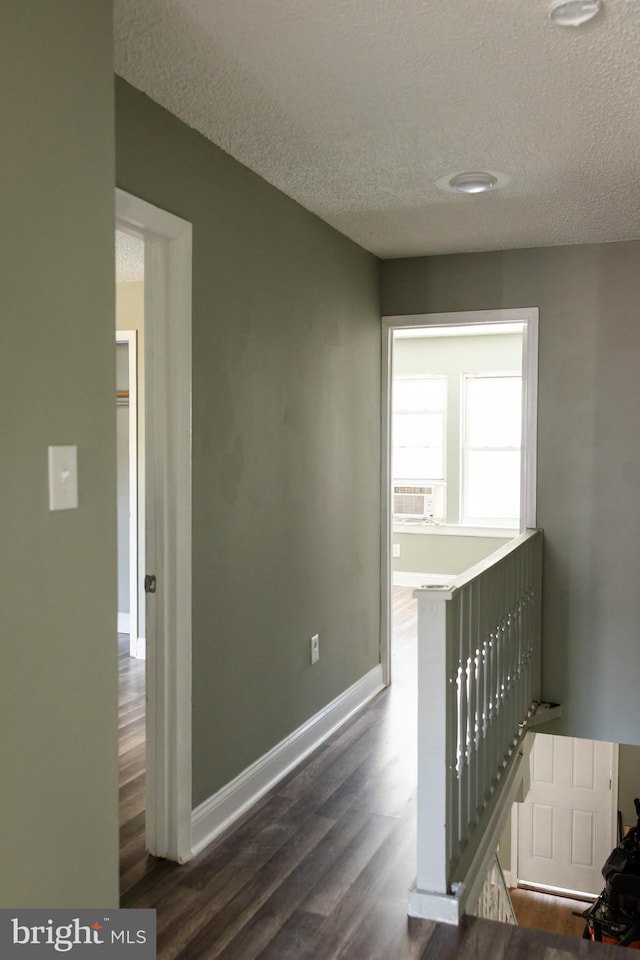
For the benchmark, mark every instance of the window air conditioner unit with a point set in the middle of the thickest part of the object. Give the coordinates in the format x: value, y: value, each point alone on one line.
x: 424, y: 502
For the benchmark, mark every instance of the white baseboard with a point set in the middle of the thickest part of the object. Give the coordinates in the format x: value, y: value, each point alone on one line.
x: 124, y: 622
x: 405, y: 579
x: 220, y: 810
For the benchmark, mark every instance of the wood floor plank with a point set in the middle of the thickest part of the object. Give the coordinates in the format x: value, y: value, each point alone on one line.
x: 221, y: 927
x: 378, y: 784
x: 149, y: 881
x: 135, y: 864
x: 143, y: 870
x: 383, y: 933
x: 387, y: 876
x: 327, y: 772
x: 292, y: 938
x: 273, y: 825
x: 342, y: 873
x: 133, y: 827
x: 542, y: 911
x: 392, y: 867
x: 287, y: 895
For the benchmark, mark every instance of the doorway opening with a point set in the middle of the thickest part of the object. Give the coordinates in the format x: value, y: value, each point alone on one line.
x: 162, y: 587
x: 566, y: 827
x: 130, y: 465
x: 459, y: 451
x: 578, y: 806
x: 130, y: 449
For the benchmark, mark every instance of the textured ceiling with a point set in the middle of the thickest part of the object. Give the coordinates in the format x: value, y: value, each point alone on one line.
x: 356, y: 107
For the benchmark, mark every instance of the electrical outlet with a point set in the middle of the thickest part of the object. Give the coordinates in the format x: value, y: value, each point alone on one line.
x: 396, y: 549
x: 315, y: 648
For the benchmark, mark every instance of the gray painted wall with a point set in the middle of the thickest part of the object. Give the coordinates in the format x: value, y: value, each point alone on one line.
x: 588, y: 457
x: 58, y: 693
x: 286, y: 448
x: 437, y: 553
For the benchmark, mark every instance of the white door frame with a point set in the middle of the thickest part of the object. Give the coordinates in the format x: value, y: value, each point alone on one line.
x: 528, y: 316
x: 130, y: 337
x: 167, y: 325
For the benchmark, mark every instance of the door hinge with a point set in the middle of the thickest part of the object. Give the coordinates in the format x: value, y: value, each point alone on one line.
x: 150, y: 583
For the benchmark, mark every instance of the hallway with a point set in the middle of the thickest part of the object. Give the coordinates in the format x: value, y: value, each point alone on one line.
x: 320, y: 867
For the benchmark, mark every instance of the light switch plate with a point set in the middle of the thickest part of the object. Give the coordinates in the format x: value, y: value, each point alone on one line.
x: 63, y: 478
x: 315, y: 648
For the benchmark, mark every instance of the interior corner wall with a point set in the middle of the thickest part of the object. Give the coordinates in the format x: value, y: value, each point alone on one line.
x: 588, y: 457
x: 286, y: 443
x: 58, y: 677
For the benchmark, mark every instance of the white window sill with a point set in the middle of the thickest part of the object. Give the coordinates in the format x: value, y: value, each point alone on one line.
x: 453, y: 530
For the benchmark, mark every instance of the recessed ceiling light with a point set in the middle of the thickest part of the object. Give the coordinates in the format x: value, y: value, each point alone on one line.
x: 472, y: 181
x: 573, y: 13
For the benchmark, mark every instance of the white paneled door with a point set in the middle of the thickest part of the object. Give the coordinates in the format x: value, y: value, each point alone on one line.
x: 566, y: 826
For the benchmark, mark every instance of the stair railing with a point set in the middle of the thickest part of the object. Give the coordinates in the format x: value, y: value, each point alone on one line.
x: 478, y: 686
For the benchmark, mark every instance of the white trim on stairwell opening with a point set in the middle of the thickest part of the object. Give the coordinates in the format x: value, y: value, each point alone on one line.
x: 219, y: 811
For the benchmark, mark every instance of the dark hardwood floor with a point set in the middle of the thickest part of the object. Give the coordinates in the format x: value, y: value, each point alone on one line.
x: 319, y: 868
x: 134, y: 861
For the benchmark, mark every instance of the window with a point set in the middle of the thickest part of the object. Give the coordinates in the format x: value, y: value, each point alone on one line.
x: 491, y: 449
x: 419, y: 411
x: 418, y: 456
x: 456, y: 403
